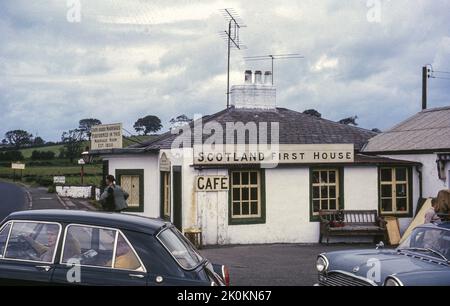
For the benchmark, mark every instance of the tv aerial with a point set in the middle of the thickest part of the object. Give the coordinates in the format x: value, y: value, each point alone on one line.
x: 273, y: 57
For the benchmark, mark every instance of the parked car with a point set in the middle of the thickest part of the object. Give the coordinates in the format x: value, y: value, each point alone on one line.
x: 96, y: 248
x: 423, y: 259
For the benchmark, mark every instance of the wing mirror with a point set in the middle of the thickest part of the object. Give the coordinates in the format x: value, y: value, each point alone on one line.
x: 380, y: 245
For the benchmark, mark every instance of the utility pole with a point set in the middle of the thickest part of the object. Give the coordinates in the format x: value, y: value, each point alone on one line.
x: 424, y: 87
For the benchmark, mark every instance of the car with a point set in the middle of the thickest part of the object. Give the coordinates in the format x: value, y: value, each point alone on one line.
x: 68, y: 247
x: 423, y: 259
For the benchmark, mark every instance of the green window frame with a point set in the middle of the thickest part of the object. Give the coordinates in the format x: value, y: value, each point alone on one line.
x: 133, y: 172
x: 247, y: 197
x: 165, y: 195
x: 326, y: 190
x: 395, y: 191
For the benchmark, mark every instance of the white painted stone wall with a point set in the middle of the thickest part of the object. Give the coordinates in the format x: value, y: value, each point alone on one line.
x: 77, y: 192
x: 253, y: 96
x: 149, y: 163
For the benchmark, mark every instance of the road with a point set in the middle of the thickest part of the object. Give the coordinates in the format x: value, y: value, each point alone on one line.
x: 12, y: 198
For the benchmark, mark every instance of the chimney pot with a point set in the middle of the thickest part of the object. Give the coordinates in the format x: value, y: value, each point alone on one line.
x: 248, y: 76
x: 258, y: 77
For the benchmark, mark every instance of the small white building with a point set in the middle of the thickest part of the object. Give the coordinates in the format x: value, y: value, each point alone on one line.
x: 249, y: 196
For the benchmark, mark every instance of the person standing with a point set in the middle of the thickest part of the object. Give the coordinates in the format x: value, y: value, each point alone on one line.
x: 431, y: 215
x: 114, y: 197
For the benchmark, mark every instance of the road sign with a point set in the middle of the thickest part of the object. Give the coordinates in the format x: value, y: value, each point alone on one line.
x: 18, y: 166
x: 59, y: 179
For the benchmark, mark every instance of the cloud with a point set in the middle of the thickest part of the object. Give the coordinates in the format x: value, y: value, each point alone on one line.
x: 127, y: 59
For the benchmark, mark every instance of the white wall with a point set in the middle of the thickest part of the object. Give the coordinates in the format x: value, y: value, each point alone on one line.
x: 361, y: 188
x: 149, y: 163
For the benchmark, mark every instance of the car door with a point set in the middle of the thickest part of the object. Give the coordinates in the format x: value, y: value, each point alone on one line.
x: 98, y: 256
x: 28, y: 251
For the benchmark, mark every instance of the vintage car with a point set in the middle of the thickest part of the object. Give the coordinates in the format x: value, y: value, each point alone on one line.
x: 423, y: 259
x: 62, y: 247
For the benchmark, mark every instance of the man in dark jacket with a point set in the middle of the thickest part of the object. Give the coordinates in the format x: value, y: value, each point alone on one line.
x: 114, y: 197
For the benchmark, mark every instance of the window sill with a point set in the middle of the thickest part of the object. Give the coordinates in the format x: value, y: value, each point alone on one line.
x: 246, y: 221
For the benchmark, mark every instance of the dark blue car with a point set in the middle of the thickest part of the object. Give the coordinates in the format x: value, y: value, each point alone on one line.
x: 423, y: 259
x: 95, y: 248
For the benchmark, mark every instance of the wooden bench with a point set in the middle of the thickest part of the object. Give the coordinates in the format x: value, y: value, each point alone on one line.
x: 351, y: 223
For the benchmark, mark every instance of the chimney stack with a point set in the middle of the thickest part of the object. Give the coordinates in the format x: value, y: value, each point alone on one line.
x: 258, y: 77
x: 248, y: 77
x: 268, y: 78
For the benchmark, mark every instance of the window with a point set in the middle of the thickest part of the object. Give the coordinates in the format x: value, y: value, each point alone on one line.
x: 395, y: 191
x: 165, y: 193
x: 4, y: 233
x: 33, y: 241
x: 132, y: 181
x: 92, y: 246
x: 126, y: 258
x: 246, y: 197
x: 325, y: 190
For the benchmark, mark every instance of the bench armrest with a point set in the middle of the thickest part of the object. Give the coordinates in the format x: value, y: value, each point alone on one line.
x: 381, y: 222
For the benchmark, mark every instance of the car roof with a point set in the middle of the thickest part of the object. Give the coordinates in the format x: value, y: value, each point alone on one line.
x: 106, y: 219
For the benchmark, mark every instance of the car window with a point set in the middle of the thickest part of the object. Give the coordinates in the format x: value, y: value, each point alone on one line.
x: 429, y: 238
x: 34, y: 241
x: 125, y: 256
x: 89, y: 246
x: 3, y: 237
x: 180, y: 248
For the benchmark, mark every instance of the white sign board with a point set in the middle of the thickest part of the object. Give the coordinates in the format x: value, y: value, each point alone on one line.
x: 273, y: 154
x: 164, y: 163
x: 211, y: 183
x: 106, y: 136
x: 18, y: 166
x: 59, y: 179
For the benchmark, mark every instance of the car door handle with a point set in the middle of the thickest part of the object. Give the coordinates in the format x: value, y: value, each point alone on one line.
x: 136, y: 275
x: 45, y: 268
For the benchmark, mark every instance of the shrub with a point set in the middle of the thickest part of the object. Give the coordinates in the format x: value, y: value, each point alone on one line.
x: 42, y: 155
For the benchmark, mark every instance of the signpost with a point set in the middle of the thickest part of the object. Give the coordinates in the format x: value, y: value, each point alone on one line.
x: 17, y: 166
x: 59, y: 179
x: 106, y: 136
x: 81, y: 162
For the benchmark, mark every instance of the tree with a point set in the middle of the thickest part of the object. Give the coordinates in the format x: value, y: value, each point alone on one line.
x: 72, y: 140
x: 179, y: 121
x: 38, y: 141
x: 378, y: 131
x: 4, y: 142
x: 349, y: 120
x: 85, y: 126
x: 148, y: 124
x: 18, y: 138
x: 312, y: 112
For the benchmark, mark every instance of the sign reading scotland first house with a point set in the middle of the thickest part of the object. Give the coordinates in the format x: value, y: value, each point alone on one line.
x: 106, y: 136
x: 273, y: 154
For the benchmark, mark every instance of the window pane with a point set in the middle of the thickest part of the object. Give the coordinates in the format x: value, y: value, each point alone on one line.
x: 400, y: 174
x: 254, y: 194
x: 332, y: 191
x: 401, y: 190
x: 245, y: 208
x: 254, y: 208
x: 332, y: 177
x: 125, y: 257
x: 3, y: 237
x: 245, y: 194
x: 90, y: 245
x: 386, y: 205
x: 236, y: 178
x: 236, y: 194
x: 386, y: 175
x: 324, y: 192
x: 253, y: 178
x: 324, y: 177
x: 386, y: 191
x: 315, y: 177
x: 316, y: 205
x: 401, y: 205
x: 245, y: 180
x: 236, y: 208
x: 33, y: 241
x: 324, y: 204
x: 332, y: 204
x: 316, y: 192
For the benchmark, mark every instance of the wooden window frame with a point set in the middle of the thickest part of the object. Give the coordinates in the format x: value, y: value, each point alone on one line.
x: 314, y: 216
x: 251, y: 219
x: 133, y: 172
x: 163, y: 189
x: 393, y: 183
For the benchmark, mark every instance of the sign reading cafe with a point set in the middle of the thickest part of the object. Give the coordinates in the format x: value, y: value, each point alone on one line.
x: 273, y: 154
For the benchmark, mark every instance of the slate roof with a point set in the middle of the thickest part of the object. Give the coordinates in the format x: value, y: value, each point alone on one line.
x: 294, y: 127
x: 426, y: 131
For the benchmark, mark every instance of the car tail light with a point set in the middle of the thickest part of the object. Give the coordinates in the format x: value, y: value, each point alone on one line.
x: 226, y: 275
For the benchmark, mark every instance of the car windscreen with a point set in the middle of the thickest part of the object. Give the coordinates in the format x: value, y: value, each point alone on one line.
x: 428, y: 238
x: 180, y: 248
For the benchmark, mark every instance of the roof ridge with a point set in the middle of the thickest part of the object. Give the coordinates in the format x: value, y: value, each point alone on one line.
x: 436, y: 109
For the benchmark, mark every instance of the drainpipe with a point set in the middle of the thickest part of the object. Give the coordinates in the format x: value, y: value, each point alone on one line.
x: 419, y: 171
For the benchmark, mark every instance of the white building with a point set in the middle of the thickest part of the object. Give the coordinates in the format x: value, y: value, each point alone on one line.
x: 320, y: 167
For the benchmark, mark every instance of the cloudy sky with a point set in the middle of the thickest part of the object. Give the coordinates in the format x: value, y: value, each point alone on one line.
x: 128, y: 58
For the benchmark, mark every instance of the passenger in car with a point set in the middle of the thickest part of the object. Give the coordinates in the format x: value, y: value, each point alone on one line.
x: 125, y: 257
x: 45, y: 252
